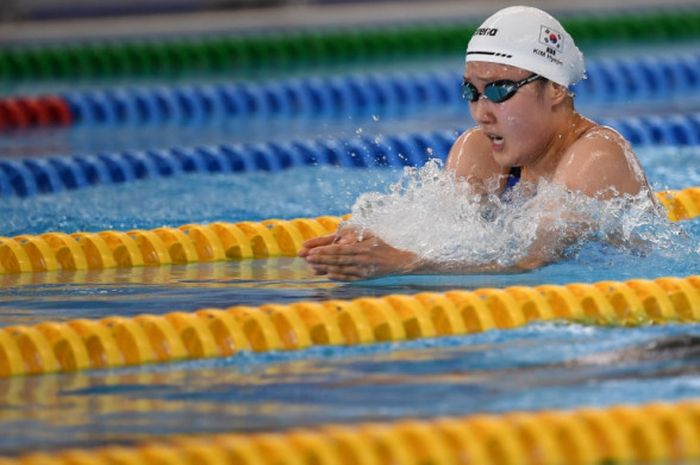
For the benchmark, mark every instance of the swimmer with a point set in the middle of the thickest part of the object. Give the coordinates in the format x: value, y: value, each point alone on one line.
x: 519, y: 66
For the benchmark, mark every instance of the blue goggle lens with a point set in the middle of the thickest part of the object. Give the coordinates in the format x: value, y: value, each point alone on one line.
x: 497, y: 91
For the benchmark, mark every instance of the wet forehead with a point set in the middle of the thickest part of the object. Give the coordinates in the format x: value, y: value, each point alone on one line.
x: 481, y: 71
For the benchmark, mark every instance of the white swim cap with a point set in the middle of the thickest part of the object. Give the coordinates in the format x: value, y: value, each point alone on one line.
x: 531, y: 39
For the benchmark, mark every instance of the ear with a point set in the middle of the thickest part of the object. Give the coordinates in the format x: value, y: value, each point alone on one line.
x: 557, y: 92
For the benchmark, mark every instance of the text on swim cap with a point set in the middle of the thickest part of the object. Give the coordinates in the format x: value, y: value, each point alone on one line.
x: 549, y: 54
x: 486, y: 31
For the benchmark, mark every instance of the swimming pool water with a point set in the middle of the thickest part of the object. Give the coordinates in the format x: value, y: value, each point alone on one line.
x: 540, y: 366
x: 293, y: 193
x: 304, y: 192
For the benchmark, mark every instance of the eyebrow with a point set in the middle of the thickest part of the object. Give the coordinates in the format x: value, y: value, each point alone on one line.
x: 479, y: 79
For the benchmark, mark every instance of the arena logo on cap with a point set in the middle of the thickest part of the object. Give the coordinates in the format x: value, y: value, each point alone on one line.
x: 552, y: 38
x: 486, y: 31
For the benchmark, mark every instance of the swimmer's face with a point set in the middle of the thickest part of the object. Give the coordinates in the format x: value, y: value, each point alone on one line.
x: 518, y: 129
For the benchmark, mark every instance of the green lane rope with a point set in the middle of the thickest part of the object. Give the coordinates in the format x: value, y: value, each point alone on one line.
x: 241, y: 56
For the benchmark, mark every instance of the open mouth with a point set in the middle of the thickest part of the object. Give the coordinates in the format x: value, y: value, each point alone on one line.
x: 495, y: 139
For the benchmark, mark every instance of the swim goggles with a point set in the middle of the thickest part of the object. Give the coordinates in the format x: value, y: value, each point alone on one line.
x: 496, y: 91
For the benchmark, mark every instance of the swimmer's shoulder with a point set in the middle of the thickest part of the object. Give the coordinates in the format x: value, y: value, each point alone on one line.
x: 472, y: 140
x: 601, y: 163
x: 471, y: 158
x: 605, y: 137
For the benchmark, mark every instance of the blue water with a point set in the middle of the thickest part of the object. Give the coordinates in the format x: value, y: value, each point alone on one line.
x: 541, y: 366
x: 299, y: 192
x: 304, y: 192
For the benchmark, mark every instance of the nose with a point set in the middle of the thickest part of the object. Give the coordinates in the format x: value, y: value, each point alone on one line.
x: 482, y: 111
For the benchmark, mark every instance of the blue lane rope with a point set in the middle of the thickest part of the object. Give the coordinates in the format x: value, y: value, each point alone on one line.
x: 55, y: 174
x: 612, y: 80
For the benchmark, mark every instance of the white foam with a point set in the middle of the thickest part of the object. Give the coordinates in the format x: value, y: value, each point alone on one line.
x: 442, y: 219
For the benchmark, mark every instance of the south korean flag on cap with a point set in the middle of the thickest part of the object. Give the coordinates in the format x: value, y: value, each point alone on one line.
x: 552, y: 38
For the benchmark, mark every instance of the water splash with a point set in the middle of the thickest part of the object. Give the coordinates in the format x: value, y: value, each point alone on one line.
x: 442, y: 219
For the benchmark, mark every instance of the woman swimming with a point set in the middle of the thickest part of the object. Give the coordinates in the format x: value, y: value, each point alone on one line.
x: 519, y: 66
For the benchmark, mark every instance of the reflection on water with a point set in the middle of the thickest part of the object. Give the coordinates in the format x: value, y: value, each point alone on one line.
x: 30, y: 298
x: 540, y: 366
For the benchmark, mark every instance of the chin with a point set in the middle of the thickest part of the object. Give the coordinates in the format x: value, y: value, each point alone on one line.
x: 506, y: 159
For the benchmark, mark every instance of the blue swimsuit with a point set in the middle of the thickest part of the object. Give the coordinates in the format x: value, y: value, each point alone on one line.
x: 513, y: 178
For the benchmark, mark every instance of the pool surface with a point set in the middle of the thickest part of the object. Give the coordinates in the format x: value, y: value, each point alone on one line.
x: 293, y: 133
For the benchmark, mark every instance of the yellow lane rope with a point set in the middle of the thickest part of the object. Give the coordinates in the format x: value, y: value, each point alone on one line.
x: 193, y: 243
x: 119, y: 341
x: 190, y: 243
x: 650, y: 433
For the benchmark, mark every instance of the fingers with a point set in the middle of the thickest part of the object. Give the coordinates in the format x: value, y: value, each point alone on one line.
x: 342, y: 273
x: 338, y: 249
x: 332, y: 260
x: 349, y: 273
x: 347, y: 235
x: 342, y: 277
x: 320, y: 241
x: 352, y: 234
x: 320, y: 270
x: 342, y: 256
x: 346, y: 239
x: 337, y: 255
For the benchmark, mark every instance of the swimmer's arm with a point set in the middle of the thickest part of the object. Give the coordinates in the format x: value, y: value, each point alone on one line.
x: 548, y: 247
x: 420, y: 267
x: 346, y: 257
x: 552, y: 237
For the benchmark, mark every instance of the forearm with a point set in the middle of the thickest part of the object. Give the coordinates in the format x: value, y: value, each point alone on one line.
x: 424, y: 266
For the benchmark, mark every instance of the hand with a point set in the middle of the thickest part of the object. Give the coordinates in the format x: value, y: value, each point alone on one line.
x: 345, y: 235
x: 319, y: 241
x: 347, y: 256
